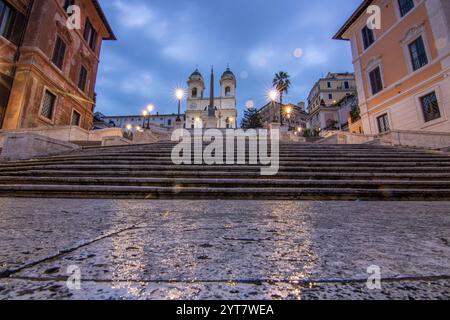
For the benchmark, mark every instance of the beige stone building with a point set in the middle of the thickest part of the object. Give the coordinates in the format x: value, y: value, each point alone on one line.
x: 402, y: 68
x: 324, y: 98
x: 161, y: 120
x: 47, y: 70
x: 213, y: 111
x: 294, y: 116
x: 329, y: 90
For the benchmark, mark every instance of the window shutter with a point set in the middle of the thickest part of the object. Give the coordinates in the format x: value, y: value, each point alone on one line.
x: 18, y: 29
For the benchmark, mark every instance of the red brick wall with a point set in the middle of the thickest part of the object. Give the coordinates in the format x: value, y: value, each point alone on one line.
x: 36, y: 72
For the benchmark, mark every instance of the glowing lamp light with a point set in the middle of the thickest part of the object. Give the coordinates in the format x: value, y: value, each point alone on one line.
x: 179, y: 94
x: 144, y: 113
x: 150, y: 108
x: 273, y: 94
x: 129, y: 127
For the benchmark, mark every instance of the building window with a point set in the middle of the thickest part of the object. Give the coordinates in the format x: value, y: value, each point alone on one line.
x: 368, y: 37
x: 48, y: 105
x: 383, y: 123
x: 59, y: 52
x: 68, y: 3
x: 76, y: 118
x: 7, y: 17
x: 405, y: 6
x: 418, y: 54
x: 346, y: 85
x: 194, y: 93
x: 330, y: 96
x: 82, y: 79
x: 227, y: 91
x: 90, y: 35
x: 329, y: 84
x: 169, y: 122
x: 430, y: 107
x: 376, y: 82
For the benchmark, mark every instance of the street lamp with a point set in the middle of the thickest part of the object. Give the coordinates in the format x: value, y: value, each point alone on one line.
x: 179, y: 94
x: 150, y: 108
x: 288, y: 115
x: 273, y: 95
x: 128, y: 133
x: 231, y: 122
x: 144, y: 113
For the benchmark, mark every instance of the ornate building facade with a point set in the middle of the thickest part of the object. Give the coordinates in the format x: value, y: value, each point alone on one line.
x: 48, y: 71
x: 294, y: 116
x: 402, y: 68
x: 211, y: 112
x: 329, y: 90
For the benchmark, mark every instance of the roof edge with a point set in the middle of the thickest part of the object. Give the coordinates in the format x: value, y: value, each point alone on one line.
x: 102, y: 15
x: 360, y: 10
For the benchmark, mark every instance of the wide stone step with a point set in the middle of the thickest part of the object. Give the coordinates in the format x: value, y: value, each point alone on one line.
x: 307, y: 172
x: 133, y: 192
x: 318, y: 166
x: 152, y: 163
x: 304, y: 157
x: 236, y: 175
x: 227, y: 183
x: 282, y: 151
x: 134, y: 152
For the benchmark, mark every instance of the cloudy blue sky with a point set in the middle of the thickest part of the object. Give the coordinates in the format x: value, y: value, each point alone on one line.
x: 161, y: 42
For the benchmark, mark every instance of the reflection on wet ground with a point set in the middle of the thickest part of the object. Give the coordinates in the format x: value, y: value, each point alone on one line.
x: 223, y: 249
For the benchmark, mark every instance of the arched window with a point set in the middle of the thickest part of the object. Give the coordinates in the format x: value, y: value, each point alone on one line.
x: 194, y: 93
x: 227, y: 91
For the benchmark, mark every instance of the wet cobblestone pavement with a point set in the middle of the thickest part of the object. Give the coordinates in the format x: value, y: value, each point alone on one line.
x: 223, y: 249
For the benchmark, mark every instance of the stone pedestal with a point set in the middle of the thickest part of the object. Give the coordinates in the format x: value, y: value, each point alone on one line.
x: 178, y: 125
x: 114, y: 141
x: 144, y: 137
x: 284, y: 131
x: 274, y: 126
x: 24, y: 146
x: 211, y: 123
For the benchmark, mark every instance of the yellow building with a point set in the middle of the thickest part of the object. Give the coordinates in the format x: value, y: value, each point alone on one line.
x: 402, y: 68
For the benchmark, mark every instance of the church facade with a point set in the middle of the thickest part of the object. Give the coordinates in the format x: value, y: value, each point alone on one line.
x: 211, y: 112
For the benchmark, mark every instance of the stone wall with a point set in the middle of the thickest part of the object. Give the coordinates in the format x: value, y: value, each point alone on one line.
x: 24, y: 146
x: 416, y: 139
x: 66, y: 133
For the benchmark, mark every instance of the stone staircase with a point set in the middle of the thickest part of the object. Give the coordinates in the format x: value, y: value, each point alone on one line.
x: 307, y: 172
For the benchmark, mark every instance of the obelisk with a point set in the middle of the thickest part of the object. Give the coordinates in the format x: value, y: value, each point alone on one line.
x: 211, y: 121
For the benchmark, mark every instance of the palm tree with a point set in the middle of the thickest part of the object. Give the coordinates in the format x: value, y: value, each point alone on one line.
x: 282, y: 83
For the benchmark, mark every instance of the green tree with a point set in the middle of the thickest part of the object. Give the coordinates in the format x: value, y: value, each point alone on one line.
x: 282, y: 83
x: 252, y: 119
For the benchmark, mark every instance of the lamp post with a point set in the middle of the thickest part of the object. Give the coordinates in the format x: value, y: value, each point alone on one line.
x: 179, y: 94
x: 273, y: 94
x: 150, y: 108
x: 144, y: 113
x: 129, y: 133
x: 288, y: 115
